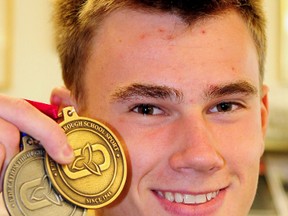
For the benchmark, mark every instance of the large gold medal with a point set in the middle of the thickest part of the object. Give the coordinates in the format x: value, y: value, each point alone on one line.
x: 97, y: 175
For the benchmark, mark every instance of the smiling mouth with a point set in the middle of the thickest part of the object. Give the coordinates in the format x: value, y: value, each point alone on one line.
x: 188, y: 198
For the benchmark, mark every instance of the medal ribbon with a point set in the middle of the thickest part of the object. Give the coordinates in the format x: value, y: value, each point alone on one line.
x: 47, y: 109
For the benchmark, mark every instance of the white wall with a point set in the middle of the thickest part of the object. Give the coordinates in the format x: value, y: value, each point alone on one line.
x: 278, y: 87
x: 277, y: 137
x: 35, y: 67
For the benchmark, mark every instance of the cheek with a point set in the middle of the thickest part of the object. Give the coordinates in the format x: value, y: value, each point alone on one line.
x: 242, y: 144
x: 147, y: 149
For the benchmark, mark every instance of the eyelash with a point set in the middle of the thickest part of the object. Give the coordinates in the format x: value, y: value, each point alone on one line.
x: 147, y: 109
x: 226, y: 106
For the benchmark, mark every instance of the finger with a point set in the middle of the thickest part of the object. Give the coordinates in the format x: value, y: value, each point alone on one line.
x: 2, y: 168
x: 9, y: 134
x: 31, y: 121
x: 10, y: 138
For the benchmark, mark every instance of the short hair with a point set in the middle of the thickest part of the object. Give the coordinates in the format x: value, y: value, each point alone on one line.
x: 76, y: 23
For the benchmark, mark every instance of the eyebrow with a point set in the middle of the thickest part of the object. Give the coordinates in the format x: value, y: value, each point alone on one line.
x: 139, y: 90
x: 239, y: 87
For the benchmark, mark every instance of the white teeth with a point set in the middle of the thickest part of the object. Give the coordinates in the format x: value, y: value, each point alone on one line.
x: 187, y: 198
x: 160, y: 194
x: 178, y: 198
x: 201, y: 198
x: 169, y: 196
x: 209, y: 196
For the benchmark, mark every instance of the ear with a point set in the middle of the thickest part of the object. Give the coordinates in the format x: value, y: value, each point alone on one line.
x: 264, y: 109
x: 61, y: 97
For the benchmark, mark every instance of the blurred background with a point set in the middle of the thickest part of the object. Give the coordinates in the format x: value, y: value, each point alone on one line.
x: 29, y: 68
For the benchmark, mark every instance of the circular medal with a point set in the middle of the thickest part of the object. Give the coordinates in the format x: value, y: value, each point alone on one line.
x: 98, y: 173
x: 26, y: 188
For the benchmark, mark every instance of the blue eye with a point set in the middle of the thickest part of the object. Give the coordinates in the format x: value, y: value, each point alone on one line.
x: 147, y: 109
x: 225, y: 107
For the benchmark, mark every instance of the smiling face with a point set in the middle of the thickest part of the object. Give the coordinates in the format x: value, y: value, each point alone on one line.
x: 187, y: 105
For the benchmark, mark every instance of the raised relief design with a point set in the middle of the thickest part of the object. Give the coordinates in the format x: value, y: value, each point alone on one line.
x: 85, y: 163
x: 38, y: 193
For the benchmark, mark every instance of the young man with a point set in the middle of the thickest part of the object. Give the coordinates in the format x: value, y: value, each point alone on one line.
x: 180, y: 82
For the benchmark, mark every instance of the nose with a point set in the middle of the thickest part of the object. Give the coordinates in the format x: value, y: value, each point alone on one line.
x: 196, y: 150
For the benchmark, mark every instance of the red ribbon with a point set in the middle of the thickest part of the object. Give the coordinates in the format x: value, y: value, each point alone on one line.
x: 47, y: 109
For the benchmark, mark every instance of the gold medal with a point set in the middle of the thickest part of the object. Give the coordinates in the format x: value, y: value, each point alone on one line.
x: 97, y: 175
x: 26, y: 188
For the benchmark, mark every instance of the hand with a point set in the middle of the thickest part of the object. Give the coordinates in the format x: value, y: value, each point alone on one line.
x: 18, y: 115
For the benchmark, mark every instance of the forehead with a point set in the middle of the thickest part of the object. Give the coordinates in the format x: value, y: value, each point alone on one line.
x: 135, y: 42
x: 140, y: 24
